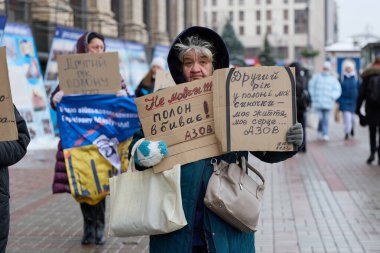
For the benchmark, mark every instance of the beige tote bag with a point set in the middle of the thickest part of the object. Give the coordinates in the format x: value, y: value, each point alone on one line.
x: 144, y: 202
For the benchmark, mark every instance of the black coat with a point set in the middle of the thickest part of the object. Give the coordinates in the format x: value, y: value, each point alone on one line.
x: 10, y: 153
x: 372, y: 110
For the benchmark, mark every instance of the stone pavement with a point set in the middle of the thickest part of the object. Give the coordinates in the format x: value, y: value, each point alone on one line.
x: 324, y: 201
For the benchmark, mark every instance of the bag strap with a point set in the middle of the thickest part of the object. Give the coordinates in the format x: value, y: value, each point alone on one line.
x: 131, y: 165
x: 245, y: 165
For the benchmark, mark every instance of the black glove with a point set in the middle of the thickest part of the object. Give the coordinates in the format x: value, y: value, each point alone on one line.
x: 295, y: 135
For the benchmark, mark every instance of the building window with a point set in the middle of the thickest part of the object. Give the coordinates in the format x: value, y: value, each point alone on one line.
x: 231, y: 15
x: 241, y: 15
x: 258, y: 15
x: 269, y: 15
x: 286, y: 14
x: 269, y: 1
x: 213, y: 17
x: 258, y: 30
x: 241, y: 2
x: 286, y: 1
x: 301, y: 21
x: 231, y: 2
x: 257, y: 1
x: 205, y: 18
x: 213, y: 2
x: 286, y: 29
x: 241, y: 30
x: 269, y: 29
x: 300, y: 1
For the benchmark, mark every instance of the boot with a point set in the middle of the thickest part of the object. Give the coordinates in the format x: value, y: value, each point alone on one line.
x: 100, y: 238
x: 88, y: 224
x: 371, y: 158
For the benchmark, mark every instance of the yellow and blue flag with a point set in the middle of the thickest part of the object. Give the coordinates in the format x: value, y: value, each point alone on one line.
x: 96, y: 131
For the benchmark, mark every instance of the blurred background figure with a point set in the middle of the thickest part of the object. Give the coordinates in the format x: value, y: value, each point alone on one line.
x: 324, y: 90
x: 370, y: 93
x: 146, y: 86
x: 302, y: 97
x: 347, y: 100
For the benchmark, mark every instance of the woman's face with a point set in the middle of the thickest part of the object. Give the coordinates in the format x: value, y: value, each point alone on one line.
x: 196, y: 66
x: 95, y: 46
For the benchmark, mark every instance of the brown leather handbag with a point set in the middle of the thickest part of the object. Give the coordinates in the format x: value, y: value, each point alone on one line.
x: 234, y: 195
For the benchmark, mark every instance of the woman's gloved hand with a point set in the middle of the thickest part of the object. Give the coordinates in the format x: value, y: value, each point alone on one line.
x: 150, y: 153
x: 295, y: 135
x: 58, y: 97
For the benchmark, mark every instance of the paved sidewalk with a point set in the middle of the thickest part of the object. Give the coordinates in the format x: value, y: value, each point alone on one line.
x: 324, y: 201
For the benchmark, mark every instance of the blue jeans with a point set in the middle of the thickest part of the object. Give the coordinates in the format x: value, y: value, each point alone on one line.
x: 323, y: 124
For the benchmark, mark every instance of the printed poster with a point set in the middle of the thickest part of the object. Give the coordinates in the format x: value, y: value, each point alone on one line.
x: 28, y: 91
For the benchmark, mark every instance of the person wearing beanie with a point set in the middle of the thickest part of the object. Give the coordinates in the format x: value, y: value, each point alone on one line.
x: 93, y: 215
x: 146, y: 86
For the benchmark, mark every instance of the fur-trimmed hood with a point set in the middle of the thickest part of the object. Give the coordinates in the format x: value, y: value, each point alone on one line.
x: 374, y: 70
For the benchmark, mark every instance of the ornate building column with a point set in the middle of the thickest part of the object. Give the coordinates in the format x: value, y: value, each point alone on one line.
x: 57, y: 12
x: 176, y: 18
x: 158, y: 28
x: 101, y: 18
x: 193, y: 13
x: 133, y: 27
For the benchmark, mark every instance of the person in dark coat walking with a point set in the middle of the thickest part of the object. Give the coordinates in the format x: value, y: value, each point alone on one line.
x: 195, y: 54
x: 370, y: 94
x: 93, y: 215
x: 10, y: 153
x: 347, y: 100
x: 146, y: 85
x: 302, y: 97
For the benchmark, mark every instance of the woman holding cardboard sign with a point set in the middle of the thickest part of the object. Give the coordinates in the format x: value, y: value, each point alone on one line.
x: 93, y: 215
x: 195, y: 54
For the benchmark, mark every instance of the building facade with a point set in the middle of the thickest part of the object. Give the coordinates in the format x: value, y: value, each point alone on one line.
x: 149, y: 22
x: 291, y: 25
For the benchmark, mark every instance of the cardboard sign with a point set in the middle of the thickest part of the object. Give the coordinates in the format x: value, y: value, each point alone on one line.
x: 254, y: 107
x: 182, y: 116
x: 163, y: 80
x: 8, y: 128
x: 89, y: 73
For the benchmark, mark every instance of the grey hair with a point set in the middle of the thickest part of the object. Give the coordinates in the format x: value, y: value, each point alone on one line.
x: 198, y: 45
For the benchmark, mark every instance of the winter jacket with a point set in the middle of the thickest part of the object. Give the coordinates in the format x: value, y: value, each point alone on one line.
x: 370, y: 76
x: 324, y: 90
x: 220, y: 237
x: 350, y: 91
x: 146, y: 85
x: 10, y: 153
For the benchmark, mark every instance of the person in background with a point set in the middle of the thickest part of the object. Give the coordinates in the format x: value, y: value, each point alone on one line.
x: 370, y: 94
x: 93, y: 215
x: 10, y: 153
x: 347, y: 100
x: 302, y: 97
x: 195, y: 54
x: 146, y: 86
x: 324, y: 90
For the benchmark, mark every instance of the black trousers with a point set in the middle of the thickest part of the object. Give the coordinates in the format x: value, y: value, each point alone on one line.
x: 373, y: 130
x: 4, y: 208
x: 94, y: 214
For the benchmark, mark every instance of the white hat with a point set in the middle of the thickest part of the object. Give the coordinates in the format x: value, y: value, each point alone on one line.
x: 158, y: 61
x: 327, y: 65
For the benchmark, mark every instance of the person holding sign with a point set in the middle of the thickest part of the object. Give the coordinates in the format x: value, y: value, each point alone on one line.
x: 10, y: 153
x: 93, y: 215
x: 195, y: 54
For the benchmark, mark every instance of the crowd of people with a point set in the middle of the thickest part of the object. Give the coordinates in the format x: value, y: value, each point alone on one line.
x: 195, y: 54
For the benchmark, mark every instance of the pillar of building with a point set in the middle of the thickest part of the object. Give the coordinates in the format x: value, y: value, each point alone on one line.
x: 101, y: 18
x: 194, y: 12
x: 176, y: 18
x: 57, y: 12
x: 133, y: 27
x: 158, y: 34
